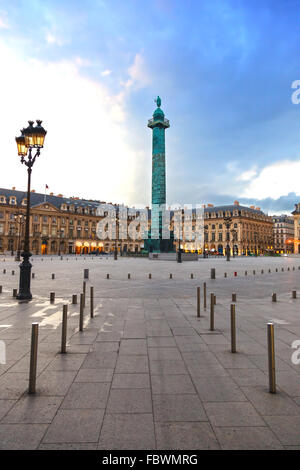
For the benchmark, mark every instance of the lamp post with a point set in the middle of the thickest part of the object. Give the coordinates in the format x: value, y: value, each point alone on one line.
x: 255, y: 243
x: 19, y: 218
x: 31, y: 138
x: 227, y: 221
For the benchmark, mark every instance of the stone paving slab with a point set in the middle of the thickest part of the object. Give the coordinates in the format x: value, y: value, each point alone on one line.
x: 146, y: 373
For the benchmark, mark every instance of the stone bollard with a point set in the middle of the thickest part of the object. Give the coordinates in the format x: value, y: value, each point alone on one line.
x: 271, y: 357
x: 33, y: 358
x: 212, y: 319
x: 204, y: 295
x: 92, y: 301
x: 107, y: 276
x: 213, y: 273
x: 274, y: 297
x: 74, y: 299
x: 233, y: 297
x: 171, y: 276
x: 52, y: 297
x: 15, y: 291
x: 294, y: 294
x: 85, y: 273
x: 53, y: 276
x: 198, y: 302
x: 81, y: 313
x: 233, y: 328
x: 64, y: 330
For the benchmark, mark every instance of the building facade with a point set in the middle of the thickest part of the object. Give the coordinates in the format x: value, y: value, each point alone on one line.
x: 283, y: 227
x: 58, y: 225
x: 296, y: 217
x: 250, y: 231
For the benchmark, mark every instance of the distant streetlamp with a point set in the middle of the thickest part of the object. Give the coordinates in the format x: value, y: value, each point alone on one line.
x: 227, y: 221
x: 31, y: 138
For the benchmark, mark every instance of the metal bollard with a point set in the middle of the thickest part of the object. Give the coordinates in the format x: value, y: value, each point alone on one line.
x: 225, y: 274
x: 204, y: 295
x: 213, y: 273
x: 235, y: 274
x: 52, y: 297
x: 245, y: 273
x: 32, y: 275
x: 288, y: 269
x: 13, y: 273
x: 271, y: 357
x: 92, y: 301
x: 4, y: 271
x: 233, y: 328
x: 81, y: 313
x: 254, y: 271
x: 212, y: 319
x: 33, y: 357
x: 171, y: 276
x: 198, y: 302
x: 84, y: 292
x: 276, y: 270
x: 274, y: 298
x: 262, y: 271
x: 150, y: 276
x: 293, y: 268
x: 128, y: 275
x: 85, y: 273
x: 282, y: 269
x: 269, y: 270
x: 15, y: 291
x: 64, y: 330
x: 294, y: 294
x: 74, y: 299
x: 53, y: 276
x: 0, y: 289
x: 233, y: 297
x: 192, y: 276
x: 107, y: 276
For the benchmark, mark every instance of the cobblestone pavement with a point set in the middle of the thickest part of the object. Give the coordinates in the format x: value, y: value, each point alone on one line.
x: 146, y: 373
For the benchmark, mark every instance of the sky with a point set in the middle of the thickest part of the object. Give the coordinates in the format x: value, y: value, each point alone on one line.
x: 224, y: 69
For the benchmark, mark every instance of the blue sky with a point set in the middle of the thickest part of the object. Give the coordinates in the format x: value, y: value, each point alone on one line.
x: 91, y: 70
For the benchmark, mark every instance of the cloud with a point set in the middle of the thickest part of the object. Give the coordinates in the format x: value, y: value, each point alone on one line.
x: 247, y: 175
x: 139, y: 75
x: 105, y: 73
x: 53, y: 39
x: 275, y: 180
x: 87, y: 151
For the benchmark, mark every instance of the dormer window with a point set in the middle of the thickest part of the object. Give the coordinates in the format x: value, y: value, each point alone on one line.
x: 63, y: 207
x: 24, y: 202
x: 13, y: 200
x: 2, y: 199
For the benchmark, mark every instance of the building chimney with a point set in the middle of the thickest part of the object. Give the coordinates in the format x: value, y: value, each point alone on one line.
x: 59, y: 195
x: 210, y: 205
x: 13, y: 188
x: 51, y: 194
x: 257, y: 208
x: 33, y: 190
x: 252, y: 207
x: 236, y: 203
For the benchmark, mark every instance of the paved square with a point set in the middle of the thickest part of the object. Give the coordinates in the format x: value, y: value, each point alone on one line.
x: 146, y: 373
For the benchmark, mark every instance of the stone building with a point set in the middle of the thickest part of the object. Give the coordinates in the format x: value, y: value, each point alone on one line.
x: 283, y: 227
x: 58, y: 225
x: 250, y: 232
x: 296, y: 217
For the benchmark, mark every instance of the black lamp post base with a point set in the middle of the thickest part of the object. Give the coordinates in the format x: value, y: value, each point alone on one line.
x: 25, y: 278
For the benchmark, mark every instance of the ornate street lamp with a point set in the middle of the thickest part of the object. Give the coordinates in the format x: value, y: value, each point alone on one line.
x: 31, y: 138
x: 19, y: 218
